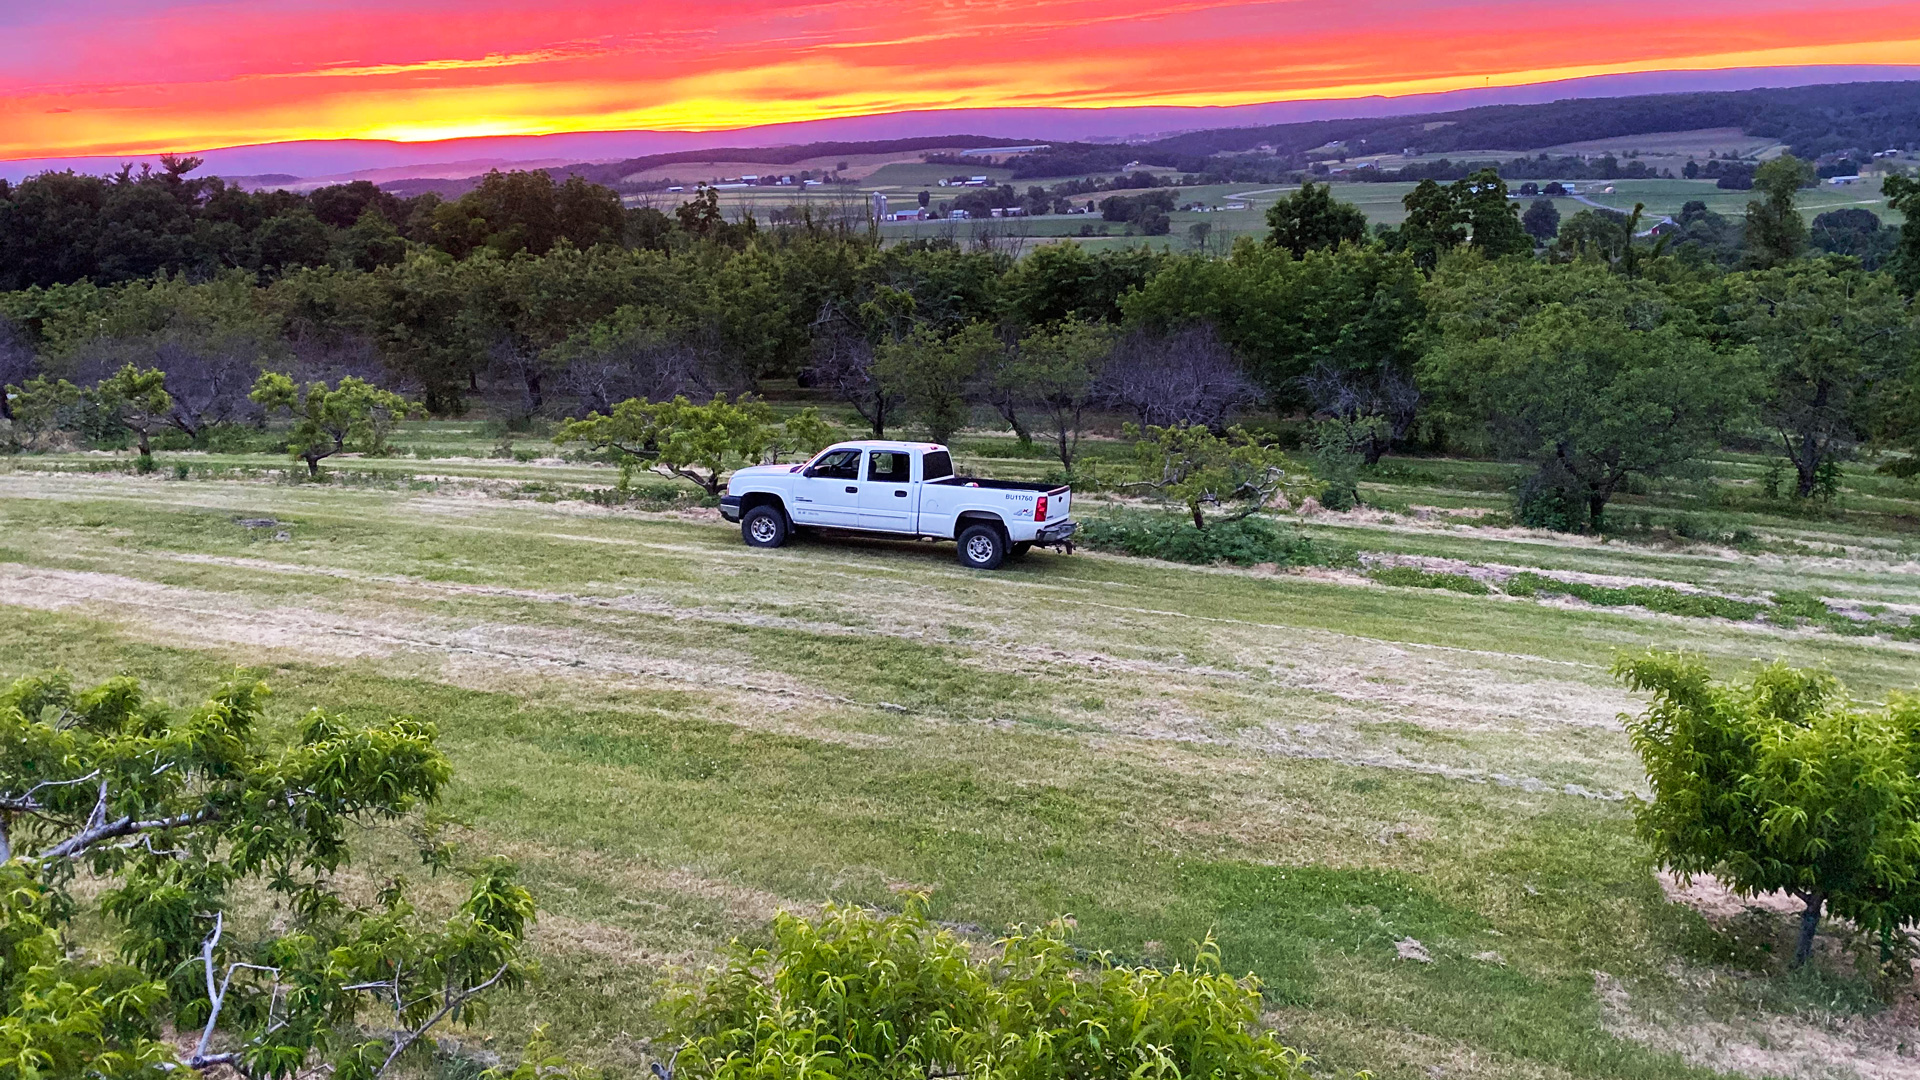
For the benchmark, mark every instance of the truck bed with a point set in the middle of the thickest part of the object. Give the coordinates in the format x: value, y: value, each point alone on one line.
x: 996, y: 485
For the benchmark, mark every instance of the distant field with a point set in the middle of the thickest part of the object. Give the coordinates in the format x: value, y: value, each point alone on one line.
x: 902, y: 181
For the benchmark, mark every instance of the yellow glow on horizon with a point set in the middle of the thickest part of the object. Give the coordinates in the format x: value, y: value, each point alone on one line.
x: 712, y: 113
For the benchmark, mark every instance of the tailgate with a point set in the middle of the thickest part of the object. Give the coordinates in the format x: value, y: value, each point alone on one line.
x: 1059, y: 505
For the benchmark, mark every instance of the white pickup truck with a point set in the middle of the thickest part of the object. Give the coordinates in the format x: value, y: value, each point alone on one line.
x: 898, y: 489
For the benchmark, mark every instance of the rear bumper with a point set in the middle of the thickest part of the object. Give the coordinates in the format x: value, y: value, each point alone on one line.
x: 730, y: 507
x: 1057, y: 532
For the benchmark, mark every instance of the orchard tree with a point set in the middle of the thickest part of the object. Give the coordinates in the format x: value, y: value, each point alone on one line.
x: 135, y: 399
x: 1541, y: 221
x: 1186, y: 377
x: 1233, y: 476
x: 353, y: 415
x: 17, y: 362
x: 1836, y: 349
x: 42, y: 407
x: 173, y: 818
x: 866, y: 996
x: 1782, y: 784
x: 1589, y: 401
x: 1493, y: 219
x: 1776, y: 233
x: 698, y: 443
x: 1054, y: 373
x: 1311, y: 219
x: 932, y: 374
x: 1903, y: 194
x: 1436, y: 223
x: 1474, y: 211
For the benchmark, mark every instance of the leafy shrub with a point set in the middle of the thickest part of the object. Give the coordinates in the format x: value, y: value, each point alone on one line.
x: 1791, y: 608
x: 1782, y: 784
x: 1246, y: 542
x: 862, y: 996
x: 1658, y: 598
x: 1540, y: 504
x: 1412, y: 577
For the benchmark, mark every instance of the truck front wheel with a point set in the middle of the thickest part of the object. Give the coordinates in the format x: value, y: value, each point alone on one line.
x: 982, y: 547
x: 764, y: 527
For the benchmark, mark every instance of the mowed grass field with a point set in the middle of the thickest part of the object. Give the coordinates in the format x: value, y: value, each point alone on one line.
x: 677, y: 736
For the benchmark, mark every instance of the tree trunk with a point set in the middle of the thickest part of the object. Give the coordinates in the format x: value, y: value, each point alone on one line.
x: 1806, y: 464
x: 1198, y: 521
x: 313, y: 466
x: 1809, y: 925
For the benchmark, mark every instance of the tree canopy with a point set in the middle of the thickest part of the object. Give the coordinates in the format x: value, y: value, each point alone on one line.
x: 176, y: 814
x: 1782, y: 784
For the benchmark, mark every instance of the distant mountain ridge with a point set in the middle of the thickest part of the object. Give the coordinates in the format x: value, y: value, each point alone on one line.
x: 335, y: 160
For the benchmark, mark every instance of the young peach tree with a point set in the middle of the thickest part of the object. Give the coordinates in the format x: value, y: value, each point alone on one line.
x: 856, y: 995
x: 1233, y: 475
x: 1782, y: 784
x: 699, y: 443
x: 177, y: 813
x: 352, y: 415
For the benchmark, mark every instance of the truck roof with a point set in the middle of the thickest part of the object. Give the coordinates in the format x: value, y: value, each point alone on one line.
x: 883, y: 444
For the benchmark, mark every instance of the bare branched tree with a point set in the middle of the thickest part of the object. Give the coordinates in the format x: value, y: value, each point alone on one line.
x: 654, y: 367
x: 17, y: 363
x: 209, y: 384
x: 843, y: 362
x: 330, y: 359
x: 208, y: 377
x: 1380, y: 405
x: 1186, y: 377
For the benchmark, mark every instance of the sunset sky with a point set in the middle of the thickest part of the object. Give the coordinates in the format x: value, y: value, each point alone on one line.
x: 138, y: 76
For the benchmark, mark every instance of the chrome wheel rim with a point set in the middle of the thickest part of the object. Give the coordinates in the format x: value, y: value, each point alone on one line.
x: 980, y: 548
x: 763, y: 529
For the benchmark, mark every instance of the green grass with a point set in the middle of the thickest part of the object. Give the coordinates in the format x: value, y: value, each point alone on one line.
x: 677, y: 735
x: 1409, y: 577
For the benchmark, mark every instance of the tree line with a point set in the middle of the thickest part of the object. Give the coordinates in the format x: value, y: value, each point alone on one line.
x: 1593, y: 350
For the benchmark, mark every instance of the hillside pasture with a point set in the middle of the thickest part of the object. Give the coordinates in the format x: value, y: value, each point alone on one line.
x: 677, y: 735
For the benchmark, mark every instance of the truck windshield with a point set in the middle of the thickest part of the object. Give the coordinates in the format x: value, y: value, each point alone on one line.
x: 937, y: 464
x: 838, y: 465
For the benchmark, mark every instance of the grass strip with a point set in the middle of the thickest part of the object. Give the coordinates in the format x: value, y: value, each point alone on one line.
x: 1412, y: 577
x: 1250, y: 541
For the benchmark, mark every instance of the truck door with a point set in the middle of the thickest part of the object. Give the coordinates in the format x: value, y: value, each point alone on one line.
x: 828, y: 493
x: 887, y: 495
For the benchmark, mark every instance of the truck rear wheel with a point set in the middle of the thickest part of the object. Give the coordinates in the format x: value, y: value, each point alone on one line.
x: 764, y: 527
x: 981, y: 547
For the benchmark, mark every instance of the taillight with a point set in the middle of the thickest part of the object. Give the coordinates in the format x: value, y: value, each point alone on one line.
x: 1040, y: 509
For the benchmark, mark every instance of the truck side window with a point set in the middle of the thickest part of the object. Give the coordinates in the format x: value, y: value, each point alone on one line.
x: 938, y: 464
x: 889, y: 467
x: 839, y: 465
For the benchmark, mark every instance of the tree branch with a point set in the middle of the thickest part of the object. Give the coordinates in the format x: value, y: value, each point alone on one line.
x: 126, y: 826
x: 453, y: 1002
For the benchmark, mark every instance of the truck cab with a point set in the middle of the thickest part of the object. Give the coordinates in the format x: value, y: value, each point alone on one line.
x: 899, y: 489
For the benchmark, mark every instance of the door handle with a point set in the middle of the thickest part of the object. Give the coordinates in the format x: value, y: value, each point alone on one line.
x: 899, y: 494
x: 853, y: 491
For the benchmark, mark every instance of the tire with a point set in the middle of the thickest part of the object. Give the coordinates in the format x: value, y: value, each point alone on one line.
x: 1020, y: 548
x: 981, y: 547
x: 765, y: 527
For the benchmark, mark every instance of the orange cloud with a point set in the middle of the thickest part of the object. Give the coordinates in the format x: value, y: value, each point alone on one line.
x: 134, y: 76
